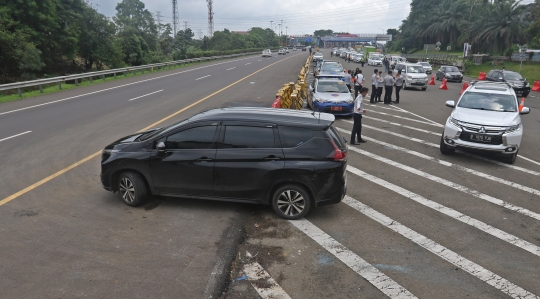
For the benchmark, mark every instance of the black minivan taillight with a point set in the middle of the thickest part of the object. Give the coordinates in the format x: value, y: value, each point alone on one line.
x: 337, y: 154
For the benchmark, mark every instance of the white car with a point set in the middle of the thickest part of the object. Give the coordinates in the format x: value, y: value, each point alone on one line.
x: 294, y: 49
x: 426, y: 66
x: 375, y: 60
x: 267, y: 53
x: 486, y: 118
x: 317, y: 56
x: 414, y: 75
x: 281, y: 52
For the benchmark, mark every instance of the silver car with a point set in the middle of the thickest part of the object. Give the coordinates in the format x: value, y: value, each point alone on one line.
x: 486, y: 118
x: 427, y: 67
x: 317, y: 56
x: 413, y: 75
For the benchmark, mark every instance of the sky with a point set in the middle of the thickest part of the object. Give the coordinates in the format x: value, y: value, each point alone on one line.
x: 300, y: 16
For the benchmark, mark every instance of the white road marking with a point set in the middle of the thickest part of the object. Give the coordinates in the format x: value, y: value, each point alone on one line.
x: 145, y: 95
x: 406, y: 118
x: 248, y: 63
x: 471, y: 171
x: 458, y: 151
x: 231, y: 68
x: 203, y: 77
x: 15, y: 136
x: 259, y: 60
x: 271, y: 290
x: 383, y: 107
x: 456, y: 186
x: 384, y: 283
x: 119, y: 86
x: 528, y: 159
x: 450, y: 256
x: 511, y: 239
x: 416, y: 115
x: 400, y: 125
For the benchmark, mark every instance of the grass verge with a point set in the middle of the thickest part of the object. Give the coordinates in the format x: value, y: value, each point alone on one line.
x: 529, y: 70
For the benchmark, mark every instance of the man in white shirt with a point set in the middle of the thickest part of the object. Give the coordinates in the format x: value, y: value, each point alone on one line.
x: 358, y: 81
x: 374, y: 84
x: 348, y: 79
x: 358, y: 111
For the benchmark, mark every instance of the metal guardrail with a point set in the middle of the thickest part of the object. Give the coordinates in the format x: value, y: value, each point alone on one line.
x: 62, y: 79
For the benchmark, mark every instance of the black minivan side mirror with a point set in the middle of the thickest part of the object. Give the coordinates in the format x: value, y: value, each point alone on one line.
x: 160, y: 150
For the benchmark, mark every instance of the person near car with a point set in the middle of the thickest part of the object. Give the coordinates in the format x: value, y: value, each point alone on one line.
x: 358, y: 82
x: 356, y: 72
x: 363, y: 60
x: 331, y: 53
x: 386, y: 65
x: 380, y: 85
x: 348, y: 79
x: 356, y: 134
x: 373, y: 98
x: 399, y: 85
x: 388, y: 88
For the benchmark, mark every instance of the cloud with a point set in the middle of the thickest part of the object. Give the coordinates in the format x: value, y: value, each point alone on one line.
x: 300, y: 16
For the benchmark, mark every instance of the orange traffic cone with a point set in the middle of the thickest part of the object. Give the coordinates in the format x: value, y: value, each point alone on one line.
x: 522, y: 104
x: 432, y: 81
x: 465, y: 85
x: 443, y: 85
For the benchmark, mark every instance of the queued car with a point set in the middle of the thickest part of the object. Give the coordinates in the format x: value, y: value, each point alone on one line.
x: 451, y: 73
x: 288, y: 159
x: 267, y: 53
x: 330, y: 95
x: 330, y: 69
x: 304, y: 49
x: 485, y: 118
x: 287, y: 50
x: 281, y: 52
x: 294, y: 49
x: 375, y: 59
x: 518, y: 83
x: 317, y: 56
x: 427, y: 67
x: 413, y: 74
x: 357, y: 57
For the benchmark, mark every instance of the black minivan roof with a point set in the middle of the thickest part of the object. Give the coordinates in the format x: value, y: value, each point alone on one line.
x: 270, y: 115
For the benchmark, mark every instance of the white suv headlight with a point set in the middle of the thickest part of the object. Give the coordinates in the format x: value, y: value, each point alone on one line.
x: 455, y: 122
x: 513, y: 128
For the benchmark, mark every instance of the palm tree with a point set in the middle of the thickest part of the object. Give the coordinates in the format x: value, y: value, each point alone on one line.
x: 499, y: 26
x: 448, y: 18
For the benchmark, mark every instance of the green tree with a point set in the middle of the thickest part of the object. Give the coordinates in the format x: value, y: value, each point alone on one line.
x: 323, y: 32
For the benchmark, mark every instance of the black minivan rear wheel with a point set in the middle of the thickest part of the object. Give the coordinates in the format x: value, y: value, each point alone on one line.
x: 291, y: 202
x: 132, y: 188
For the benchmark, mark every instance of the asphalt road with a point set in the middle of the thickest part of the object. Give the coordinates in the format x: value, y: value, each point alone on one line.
x: 69, y: 238
x: 415, y: 223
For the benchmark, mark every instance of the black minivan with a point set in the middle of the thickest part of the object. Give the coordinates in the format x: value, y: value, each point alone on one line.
x: 290, y: 159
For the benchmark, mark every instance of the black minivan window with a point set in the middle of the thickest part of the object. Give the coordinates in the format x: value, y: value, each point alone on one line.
x: 248, y: 137
x: 294, y: 136
x: 194, y: 138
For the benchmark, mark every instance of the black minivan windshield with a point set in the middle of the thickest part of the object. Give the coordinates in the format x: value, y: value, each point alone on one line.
x: 488, y: 101
x: 149, y: 135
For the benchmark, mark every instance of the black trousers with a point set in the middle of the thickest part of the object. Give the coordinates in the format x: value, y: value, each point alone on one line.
x: 349, y: 87
x: 356, y: 133
x: 357, y: 89
x: 379, y: 93
x: 373, y: 97
x: 398, y: 88
x: 362, y: 64
x: 388, y: 94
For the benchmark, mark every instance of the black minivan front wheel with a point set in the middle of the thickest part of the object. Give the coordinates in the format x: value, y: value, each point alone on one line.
x: 291, y: 202
x: 132, y: 188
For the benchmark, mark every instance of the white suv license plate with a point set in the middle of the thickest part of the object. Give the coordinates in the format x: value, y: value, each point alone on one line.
x: 481, y: 138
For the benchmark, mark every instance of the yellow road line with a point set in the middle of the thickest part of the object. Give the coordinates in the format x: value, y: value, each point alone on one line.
x: 56, y: 174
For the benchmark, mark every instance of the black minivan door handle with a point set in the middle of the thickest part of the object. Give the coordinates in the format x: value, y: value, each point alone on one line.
x: 204, y: 159
x: 272, y: 157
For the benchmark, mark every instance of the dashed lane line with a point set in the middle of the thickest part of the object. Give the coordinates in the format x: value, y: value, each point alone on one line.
x: 458, y: 151
x: 511, y: 239
x: 146, y: 95
x: 262, y: 282
x: 450, y: 256
x: 62, y: 171
x: 202, y: 77
x: 120, y: 86
x: 15, y: 136
x: 409, y: 119
x: 382, y: 282
x: 231, y: 68
x: 456, y: 186
x: 471, y: 171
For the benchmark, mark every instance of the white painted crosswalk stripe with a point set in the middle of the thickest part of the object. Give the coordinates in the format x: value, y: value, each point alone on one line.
x: 437, y: 146
x: 262, y: 282
x: 518, y: 242
x: 409, y: 119
x: 454, y: 185
x: 470, y: 267
x: 400, y: 125
x: 384, y: 283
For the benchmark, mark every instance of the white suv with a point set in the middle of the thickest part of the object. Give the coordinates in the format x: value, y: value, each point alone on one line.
x: 486, y: 118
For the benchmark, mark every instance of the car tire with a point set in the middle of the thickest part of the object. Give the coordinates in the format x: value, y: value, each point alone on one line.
x: 132, y: 188
x: 509, y: 159
x: 291, y: 202
x: 424, y: 88
x: 445, y: 149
